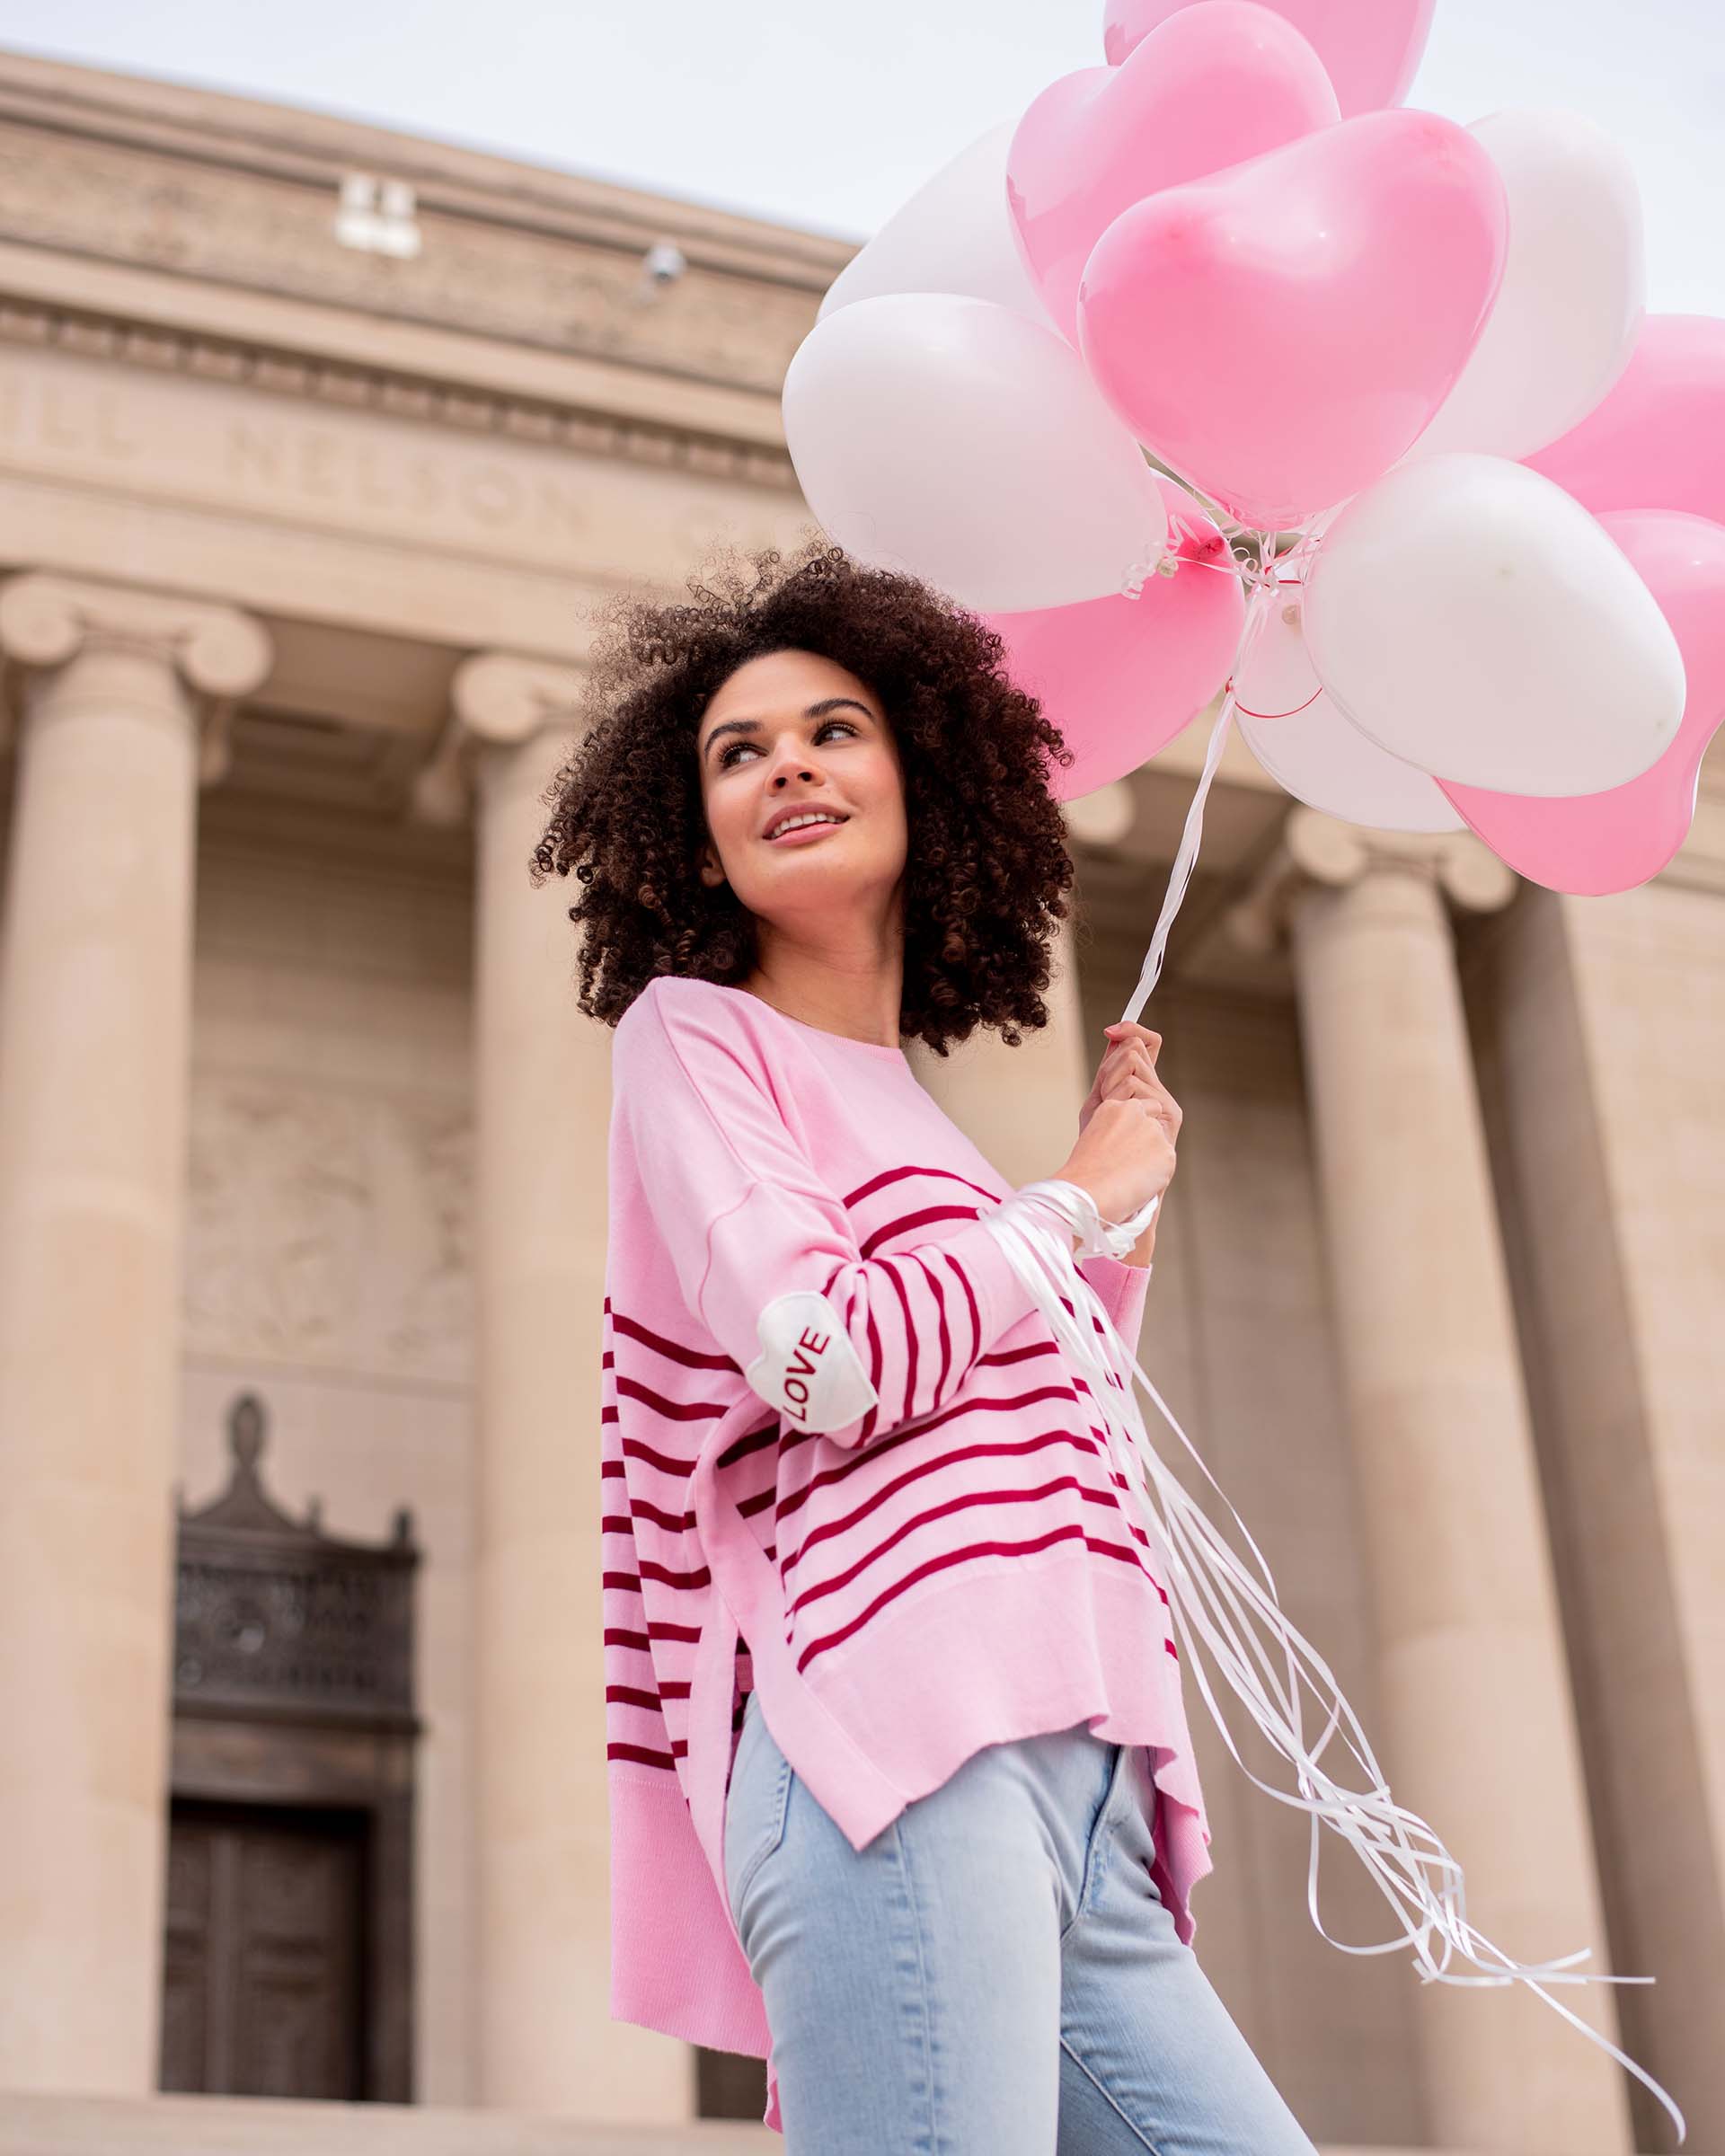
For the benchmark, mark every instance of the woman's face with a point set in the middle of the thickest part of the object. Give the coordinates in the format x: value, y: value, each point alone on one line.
x: 791, y: 734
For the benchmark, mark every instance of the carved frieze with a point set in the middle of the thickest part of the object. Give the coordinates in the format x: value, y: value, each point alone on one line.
x: 329, y: 1228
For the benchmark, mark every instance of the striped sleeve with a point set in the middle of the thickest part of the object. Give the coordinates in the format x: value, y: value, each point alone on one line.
x: 1121, y: 1289
x: 831, y: 1336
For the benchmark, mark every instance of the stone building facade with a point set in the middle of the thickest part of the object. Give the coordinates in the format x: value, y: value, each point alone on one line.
x: 317, y: 443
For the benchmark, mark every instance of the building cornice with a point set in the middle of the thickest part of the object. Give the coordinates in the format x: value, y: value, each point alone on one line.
x: 267, y: 139
x: 613, y: 419
x: 210, y: 208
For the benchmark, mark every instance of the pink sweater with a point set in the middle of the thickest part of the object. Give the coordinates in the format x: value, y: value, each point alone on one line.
x: 952, y: 1567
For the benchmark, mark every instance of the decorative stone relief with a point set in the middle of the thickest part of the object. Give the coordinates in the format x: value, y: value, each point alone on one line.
x: 273, y: 1613
x: 330, y: 1228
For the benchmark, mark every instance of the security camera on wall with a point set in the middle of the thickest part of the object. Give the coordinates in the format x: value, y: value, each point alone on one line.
x: 662, y: 264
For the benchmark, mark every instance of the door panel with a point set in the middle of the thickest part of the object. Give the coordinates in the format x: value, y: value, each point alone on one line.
x: 264, y: 1969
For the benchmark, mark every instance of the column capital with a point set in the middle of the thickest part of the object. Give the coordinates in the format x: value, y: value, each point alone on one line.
x: 219, y: 653
x: 497, y: 699
x: 1315, y: 849
x: 1102, y: 817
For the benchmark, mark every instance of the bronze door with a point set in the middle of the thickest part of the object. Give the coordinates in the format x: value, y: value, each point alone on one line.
x: 263, y: 1980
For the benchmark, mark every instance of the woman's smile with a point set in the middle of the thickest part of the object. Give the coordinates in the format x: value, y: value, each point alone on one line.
x: 800, y: 833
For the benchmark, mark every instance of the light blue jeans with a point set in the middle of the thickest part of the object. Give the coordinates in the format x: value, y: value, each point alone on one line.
x: 994, y: 1975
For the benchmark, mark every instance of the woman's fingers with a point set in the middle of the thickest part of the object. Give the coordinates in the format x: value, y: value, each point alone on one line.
x: 1134, y: 1086
x: 1129, y: 1073
x: 1141, y: 1064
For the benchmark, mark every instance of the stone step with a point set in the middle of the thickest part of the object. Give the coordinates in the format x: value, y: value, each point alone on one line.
x: 35, y: 2124
x: 228, y: 2125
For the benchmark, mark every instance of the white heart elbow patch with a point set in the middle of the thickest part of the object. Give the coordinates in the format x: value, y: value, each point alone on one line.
x: 808, y: 1368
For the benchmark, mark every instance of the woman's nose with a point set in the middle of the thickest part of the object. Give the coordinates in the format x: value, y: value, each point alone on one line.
x: 791, y: 761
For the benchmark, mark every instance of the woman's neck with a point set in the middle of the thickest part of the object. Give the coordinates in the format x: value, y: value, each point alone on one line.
x: 857, y: 998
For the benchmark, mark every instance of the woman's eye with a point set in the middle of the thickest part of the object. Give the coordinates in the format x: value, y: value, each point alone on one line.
x: 826, y: 726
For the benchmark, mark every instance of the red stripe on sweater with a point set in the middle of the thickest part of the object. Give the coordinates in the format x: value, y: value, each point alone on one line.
x: 907, y: 1221
x: 946, y: 1338
x: 998, y: 1358
x: 751, y: 1441
x: 672, y: 1350
x: 976, y: 1315
x: 888, y: 1267
x: 942, y: 1512
x: 1014, y: 1449
x: 859, y: 1463
x: 870, y: 1419
x: 898, y: 1175
x: 673, y: 1410
x: 639, y: 1756
x: 924, y: 1571
x: 943, y: 1563
x: 634, y: 1449
x: 641, y: 1509
x: 665, y: 1577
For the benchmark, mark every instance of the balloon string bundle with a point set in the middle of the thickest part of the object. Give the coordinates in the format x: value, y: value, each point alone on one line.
x: 1216, y: 1603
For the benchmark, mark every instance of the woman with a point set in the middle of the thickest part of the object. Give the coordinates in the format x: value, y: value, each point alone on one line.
x: 901, y: 1789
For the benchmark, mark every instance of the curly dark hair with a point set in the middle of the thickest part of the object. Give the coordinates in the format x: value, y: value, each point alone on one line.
x: 986, y: 867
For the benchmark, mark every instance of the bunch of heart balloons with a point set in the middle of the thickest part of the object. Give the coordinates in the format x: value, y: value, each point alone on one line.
x: 1221, y: 368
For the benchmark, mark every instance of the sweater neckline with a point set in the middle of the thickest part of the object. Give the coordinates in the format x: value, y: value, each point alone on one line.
x: 842, y: 1040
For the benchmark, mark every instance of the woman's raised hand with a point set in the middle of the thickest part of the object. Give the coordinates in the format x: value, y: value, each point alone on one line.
x: 1126, y: 1127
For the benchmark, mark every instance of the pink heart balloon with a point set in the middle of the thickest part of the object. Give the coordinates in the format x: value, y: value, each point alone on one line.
x: 1281, y: 332
x: 1658, y: 438
x: 1120, y: 677
x: 1209, y: 87
x: 1591, y: 843
x: 1369, y: 48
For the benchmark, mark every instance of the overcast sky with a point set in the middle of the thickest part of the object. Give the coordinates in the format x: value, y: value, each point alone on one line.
x: 827, y: 116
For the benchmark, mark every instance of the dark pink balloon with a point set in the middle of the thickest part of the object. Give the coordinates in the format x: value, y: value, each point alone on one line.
x: 1591, y: 843
x: 1280, y: 333
x: 1657, y: 440
x: 1211, y: 86
x: 1120, y: 677
x: 1369, y: 48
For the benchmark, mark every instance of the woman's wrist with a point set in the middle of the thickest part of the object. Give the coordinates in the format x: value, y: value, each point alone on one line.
x: 1100, y: 1200
x: 1104, y: 1200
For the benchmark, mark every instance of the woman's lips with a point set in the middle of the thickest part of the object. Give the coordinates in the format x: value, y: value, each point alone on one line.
x: 802, y: 832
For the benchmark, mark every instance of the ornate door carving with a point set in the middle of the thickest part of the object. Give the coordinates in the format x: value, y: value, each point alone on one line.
x: 288, y: 1964
x: 263, y: 1989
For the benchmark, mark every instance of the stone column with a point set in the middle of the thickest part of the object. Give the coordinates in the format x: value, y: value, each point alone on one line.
x: 1479, y: 1733
x: 123, y: 701
x: 545, y: 2040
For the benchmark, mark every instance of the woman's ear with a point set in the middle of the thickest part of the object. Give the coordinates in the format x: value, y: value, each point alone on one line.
x: 712, y: 874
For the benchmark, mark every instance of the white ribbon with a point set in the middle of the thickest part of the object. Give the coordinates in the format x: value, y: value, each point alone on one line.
x: 1253, y: 559
x: 1215, y: 1601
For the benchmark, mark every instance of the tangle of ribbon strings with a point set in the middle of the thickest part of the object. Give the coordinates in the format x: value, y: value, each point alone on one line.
x: 1216, y: 1603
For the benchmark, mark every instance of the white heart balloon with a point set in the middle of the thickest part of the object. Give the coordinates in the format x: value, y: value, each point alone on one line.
x: 1470, y: 617
x: 953, y: 438
x: 954, y: 235
x: 1307, y: 745
x: 1565, y: 319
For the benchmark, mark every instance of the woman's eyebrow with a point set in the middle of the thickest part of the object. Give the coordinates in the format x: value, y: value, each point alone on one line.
x: 814, y: 711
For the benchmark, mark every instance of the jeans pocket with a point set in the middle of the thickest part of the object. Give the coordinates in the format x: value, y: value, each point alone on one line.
x: 1096, y: 1835
x: 755, y: 1807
